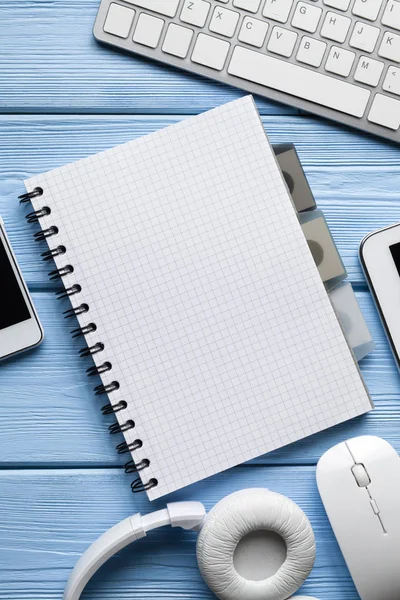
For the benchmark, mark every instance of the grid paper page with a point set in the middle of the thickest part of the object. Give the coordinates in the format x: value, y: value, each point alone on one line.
x: 205, y: 294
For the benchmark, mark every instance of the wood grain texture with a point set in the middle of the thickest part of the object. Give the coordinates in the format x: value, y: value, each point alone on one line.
x: 50, y: 415
x: 337, y: 161
x: 49, y: 518
x: 61, y: 481
x: 50, y: 62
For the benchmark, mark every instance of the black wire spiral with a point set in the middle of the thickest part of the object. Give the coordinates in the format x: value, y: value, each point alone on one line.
x: 107, y: 366
x: 49, y: 254
x: 110, y: 408
x: 131, y: 467
x: 73, y: 312
x: 38, y: 191
x: 34, y: 216
x: 74, y: 289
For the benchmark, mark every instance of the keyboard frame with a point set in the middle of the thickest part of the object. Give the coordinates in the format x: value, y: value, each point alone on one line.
x: 157, y: 54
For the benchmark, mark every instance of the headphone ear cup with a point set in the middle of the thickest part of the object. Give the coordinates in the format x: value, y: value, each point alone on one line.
x: 240, y: 514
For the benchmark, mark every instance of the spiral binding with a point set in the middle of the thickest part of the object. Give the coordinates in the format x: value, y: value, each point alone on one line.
x: 110, y: 408
x: 117, y: 428
x: 45, y: 233
x: 49, y: 254
x: 34, y: 216
x: 138, y: 485
x: 38, y: 191
x: 106, y: 389
x: 107, y: 366
x: 73, y: 312
x: 131, y: 466
x: 79, y: 331
x: 59, y: 273
x: 90, y: 350
x: 74, y: 289
x: 124, y: 447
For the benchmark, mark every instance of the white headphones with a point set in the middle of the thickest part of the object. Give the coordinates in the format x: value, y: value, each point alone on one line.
x: 220, y: 532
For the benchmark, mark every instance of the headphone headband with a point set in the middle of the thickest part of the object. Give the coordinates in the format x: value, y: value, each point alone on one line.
x: 188, y: 515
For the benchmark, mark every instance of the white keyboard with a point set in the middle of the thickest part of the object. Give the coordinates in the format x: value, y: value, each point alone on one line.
x: 336, y: 58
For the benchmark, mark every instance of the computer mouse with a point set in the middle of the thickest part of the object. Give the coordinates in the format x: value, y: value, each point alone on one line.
x: 359, y: 483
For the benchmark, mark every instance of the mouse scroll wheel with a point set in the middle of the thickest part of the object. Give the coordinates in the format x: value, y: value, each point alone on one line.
x: 360, y: 475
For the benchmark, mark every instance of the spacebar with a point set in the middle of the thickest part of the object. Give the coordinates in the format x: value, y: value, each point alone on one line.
x: 299, y: 82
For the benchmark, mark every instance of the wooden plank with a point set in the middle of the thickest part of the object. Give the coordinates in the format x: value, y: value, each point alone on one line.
x: 50, y: 61
x: 355, y: 179
x: 49, y: 518
x: 50, y: 415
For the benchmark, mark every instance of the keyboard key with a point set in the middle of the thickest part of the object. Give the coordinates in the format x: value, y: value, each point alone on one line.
x: 253, y: 31
x: 306, y: 17
x: 335, y: 27
x: 311, y: 51
x: 195, y: 12
x: 210, y: 51
x: 364, y: 37
x: 282, y: 41
x: 224, y: 21
x: 119, y: 20
x: 340, y: 61
x: 162, y: 7
x: 250, y: 5
x: 277, y: 10
x: 369, y: 71
x: 392, y: 81
x: 299, y: 82
x: 177, y: 40
x: 339, y: 4
x: 148, y: 30
x: 385, y: 111
x: 368, y: 9
x: 390, y: 47
x: 391, y: 16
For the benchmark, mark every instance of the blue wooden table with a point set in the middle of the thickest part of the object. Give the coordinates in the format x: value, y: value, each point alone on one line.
x: 62, y: 97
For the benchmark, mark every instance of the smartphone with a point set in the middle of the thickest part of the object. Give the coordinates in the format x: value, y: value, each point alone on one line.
x: 380, y: 260
x: 20, y: 328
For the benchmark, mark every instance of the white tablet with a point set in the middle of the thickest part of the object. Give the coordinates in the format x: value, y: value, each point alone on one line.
x: 380, y: 259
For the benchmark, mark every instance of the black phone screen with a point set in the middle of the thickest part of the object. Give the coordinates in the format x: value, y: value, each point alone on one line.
x: 395, y: 252
x: 13, y: 308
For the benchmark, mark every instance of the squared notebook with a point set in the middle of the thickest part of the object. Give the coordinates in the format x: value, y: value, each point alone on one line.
x: 198, y: 297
